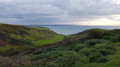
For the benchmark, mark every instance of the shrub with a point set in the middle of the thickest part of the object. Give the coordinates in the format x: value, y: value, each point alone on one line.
x: 95, y: 34
x: 87, y: 51
x: 78, y: 47
x: 102, y: 60
x: 95, y: 41
x: 51, y: 64
x: 69, y: 58
x: 106, y: 46
x: 94, y: 57
x: 105, y: 49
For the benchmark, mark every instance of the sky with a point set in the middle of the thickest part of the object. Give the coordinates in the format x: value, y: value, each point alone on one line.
x: 63, y: 12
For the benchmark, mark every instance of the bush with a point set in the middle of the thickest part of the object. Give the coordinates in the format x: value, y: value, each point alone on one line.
x: 116, y: 38
x: 78, y: 47
x: 105, y: 49
x: 94, y: 57
x: 95, y: 41
x: 95, y: 34
x: 51, y: 64
x: 87, y: 51
x: 102, y: 60
x: 69, y: 58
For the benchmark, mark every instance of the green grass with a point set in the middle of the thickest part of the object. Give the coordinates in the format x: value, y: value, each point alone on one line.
x: 0, y: 24
x: 29, y: 37
x: 51, y: 40
x: 20, y: 35
x: 41, y: 28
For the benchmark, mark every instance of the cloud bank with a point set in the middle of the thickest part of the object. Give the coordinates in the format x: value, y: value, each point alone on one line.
x: 56, y: 11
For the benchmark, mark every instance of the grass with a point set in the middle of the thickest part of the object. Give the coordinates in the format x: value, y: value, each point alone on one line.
x: 12, y: 36
x: 41, y: 28
x: 54, y: 39
x: 2, y: 48
x: 20, y: 35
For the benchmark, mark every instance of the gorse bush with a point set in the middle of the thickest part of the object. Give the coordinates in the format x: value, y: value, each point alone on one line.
x: 87, y: 51
x: 79, y: 47
x: 105, y: 49
x: 96, y: 41
x: 105, y: 46
x: 66, y: 56
x: 93, y: 57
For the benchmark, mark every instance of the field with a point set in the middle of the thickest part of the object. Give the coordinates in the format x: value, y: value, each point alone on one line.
x: 51, y: 40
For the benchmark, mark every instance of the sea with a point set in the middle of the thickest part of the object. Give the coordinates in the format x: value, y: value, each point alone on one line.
x: 73, y: 29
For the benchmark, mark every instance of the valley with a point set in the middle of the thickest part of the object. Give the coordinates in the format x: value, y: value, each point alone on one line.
x: 22, y: 46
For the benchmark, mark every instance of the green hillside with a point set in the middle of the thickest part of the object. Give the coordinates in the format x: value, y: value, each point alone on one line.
x: 14, y: 37
x: 90, y: 48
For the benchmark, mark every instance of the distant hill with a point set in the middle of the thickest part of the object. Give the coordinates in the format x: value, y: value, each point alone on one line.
x: 87, y: 34
x: 95, y: 34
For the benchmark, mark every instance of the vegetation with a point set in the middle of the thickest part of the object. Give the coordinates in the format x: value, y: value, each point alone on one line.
x: 90, y: 48
x: 14, y: 38
x: 56, y: 38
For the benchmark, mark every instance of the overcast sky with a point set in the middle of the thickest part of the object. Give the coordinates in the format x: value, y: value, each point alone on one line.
x: 77, y: 12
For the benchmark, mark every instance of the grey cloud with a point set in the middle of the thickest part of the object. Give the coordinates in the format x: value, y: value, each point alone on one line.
x: 55, y: 11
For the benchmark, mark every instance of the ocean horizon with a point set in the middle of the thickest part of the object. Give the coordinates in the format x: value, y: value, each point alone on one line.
x: 73, y: 29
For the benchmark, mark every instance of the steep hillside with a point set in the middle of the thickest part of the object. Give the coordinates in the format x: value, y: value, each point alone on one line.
x: 14, y: 36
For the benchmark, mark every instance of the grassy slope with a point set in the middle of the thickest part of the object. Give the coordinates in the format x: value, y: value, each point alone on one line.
x: 91, y: 48
x: 113, y: 59
x: 52, y: 39
x: 56, y: 38
x: 13, y: 37
x: 92, y: 51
